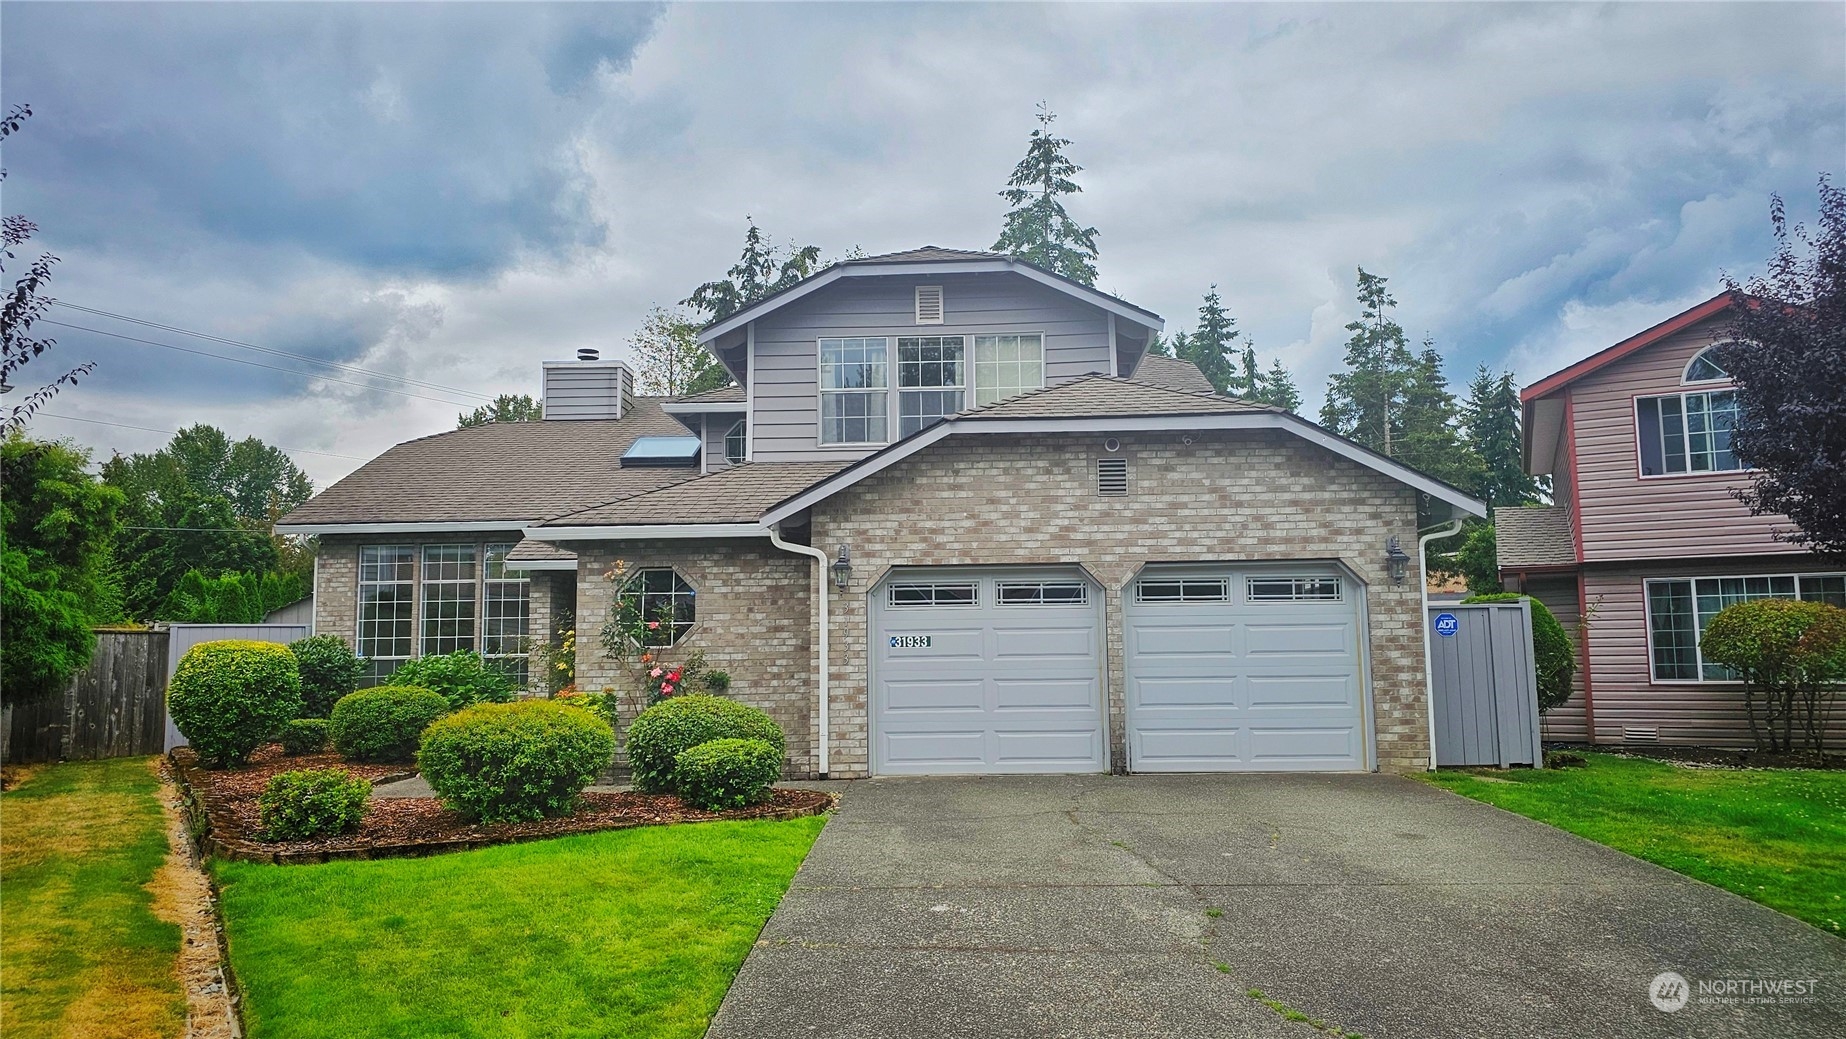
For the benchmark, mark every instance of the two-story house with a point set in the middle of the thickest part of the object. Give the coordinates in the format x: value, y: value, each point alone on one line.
x: 952, y: 518
x: 1646, y: 539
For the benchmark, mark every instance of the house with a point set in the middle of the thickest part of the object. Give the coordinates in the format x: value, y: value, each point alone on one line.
x: 1646, y: 538
x: 950, y: 519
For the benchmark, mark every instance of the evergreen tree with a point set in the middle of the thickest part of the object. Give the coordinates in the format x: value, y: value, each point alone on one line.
x: 1428, y: 434
x: 1365, y: 402
x: 1491, y: 416
x: 761, y: 269
x: 1159, y: 346
x: 1210, y: 344
x: 1037, y: 228
x: 1279, y: 388
x: 507, y: 407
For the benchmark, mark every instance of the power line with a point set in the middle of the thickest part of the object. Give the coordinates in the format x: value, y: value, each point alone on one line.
x: 257, y: 364
x: 352, y: 368
x: 151, y: 429
x: 208, y: 530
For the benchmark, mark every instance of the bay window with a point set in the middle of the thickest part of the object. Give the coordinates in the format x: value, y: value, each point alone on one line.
x: 384, y: 638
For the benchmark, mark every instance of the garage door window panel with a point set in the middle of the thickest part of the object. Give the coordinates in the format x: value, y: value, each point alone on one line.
x: 1183, y: 590
x: 1042, y: 593
x: 1293, y: 589
x: 933, y: 594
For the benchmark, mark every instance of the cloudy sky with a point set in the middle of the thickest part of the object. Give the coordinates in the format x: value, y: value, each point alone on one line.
x: 454, y: 193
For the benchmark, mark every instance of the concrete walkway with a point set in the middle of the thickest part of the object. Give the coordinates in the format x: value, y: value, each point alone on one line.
x: 1148, y: 906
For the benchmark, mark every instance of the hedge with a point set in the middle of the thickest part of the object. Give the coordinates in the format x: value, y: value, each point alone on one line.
x: 680, y: 723
x: 463, y: 678
x: 308, y: 803
x: 384, y: 723
x: 329, y: 671
x: 231, y: 697
x: 514, y: 762
x: 726, y: 774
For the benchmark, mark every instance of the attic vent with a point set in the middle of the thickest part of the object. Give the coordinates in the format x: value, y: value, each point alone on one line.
x: 929, y: 304
x: 585, y: 353
x: 1112, y: 477
x: 1634, y: 735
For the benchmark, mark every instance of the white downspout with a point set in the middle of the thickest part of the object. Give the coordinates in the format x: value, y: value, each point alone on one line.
x: 819, y: 556
x: 1429, y: 674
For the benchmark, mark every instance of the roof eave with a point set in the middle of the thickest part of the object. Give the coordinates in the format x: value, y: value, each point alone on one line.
x: 1640, y: 341
x: 648, y: 531
x: 400, y: 526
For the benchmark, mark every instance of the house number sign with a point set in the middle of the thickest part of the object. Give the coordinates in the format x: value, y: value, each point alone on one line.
x: 910, y: 642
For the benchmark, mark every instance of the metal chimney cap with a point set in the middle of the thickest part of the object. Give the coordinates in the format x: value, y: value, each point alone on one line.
x: 588, y: 354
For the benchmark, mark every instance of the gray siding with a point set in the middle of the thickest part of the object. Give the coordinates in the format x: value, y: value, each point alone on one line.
x: 715, y: 428
x: 587, y: 390
x: 784, y: 374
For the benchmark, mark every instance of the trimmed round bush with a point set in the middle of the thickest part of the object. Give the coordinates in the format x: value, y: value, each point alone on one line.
x: 384, y: 723
x: 304, y: 736
x: 726, y: 774
x: 514, y: 762
x: 1556, y: 661
x: 308, y: 803
x: 329, y: 671
x: 463, y: 678
x: 231, y: 697
x: 677, y: 724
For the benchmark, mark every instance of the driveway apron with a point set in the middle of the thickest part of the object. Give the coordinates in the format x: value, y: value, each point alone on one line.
x: 1147, y: 906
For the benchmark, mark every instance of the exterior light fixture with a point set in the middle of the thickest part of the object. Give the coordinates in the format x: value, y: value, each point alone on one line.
x: 842, y: 569
x: 1397, y: 561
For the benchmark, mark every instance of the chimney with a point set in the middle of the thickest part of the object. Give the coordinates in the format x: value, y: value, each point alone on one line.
x: 588, y: 388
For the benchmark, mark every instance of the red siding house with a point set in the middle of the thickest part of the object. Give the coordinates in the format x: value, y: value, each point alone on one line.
x: 1646, y: 539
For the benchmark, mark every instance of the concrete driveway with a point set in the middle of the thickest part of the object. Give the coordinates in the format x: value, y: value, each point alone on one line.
x: 1148, y: 906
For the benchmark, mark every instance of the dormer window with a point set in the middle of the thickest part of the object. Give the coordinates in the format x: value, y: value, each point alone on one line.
x: 1704, y: 366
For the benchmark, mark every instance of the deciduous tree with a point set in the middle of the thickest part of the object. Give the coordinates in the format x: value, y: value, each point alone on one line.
x: 668, y: 358
x: 507, y: 407
x: 24, y: 304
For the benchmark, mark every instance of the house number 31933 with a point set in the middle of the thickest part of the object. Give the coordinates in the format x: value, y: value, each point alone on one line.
x: 910, y: 642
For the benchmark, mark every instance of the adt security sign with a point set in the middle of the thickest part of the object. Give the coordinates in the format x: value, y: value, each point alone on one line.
x: 1447, y: 625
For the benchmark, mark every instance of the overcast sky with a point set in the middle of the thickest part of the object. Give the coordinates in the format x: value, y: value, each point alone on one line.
x: 455, y: 193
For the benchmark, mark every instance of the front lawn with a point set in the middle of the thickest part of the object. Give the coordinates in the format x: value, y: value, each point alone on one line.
x: 81, y: 951
x: 629, y: 933
x: 1778, y: 837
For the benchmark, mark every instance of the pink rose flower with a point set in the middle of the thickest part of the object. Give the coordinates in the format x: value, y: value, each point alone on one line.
x: 667, y: 689
x: 656, y: 673
x: 653, y: 625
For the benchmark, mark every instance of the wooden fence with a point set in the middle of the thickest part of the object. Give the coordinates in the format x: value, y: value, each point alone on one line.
x: 117, y: 707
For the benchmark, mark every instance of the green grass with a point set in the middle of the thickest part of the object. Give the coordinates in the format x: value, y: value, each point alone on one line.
x: 1777, y: 837
x: 629, y: 933
x: 80, y: 947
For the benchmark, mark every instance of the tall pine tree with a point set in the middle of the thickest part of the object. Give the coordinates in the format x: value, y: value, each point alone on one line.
x: 1211, y: 344
x: 760, y: 270
x: 1279, y: 388
x: 1491, y: 416
x: 1365, y: 402
x: 1428, y: 436
x: 1037, y: 228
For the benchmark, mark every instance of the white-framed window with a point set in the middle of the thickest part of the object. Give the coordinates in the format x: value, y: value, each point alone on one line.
x: 667, y: 604
x: 1705, y: 368
x: 1007, y: 365
x: 734, y: 442
x: 506, y: 607
x: 1042, y: 593
x: 932, y: 381
x: 938, y: 593
x: 1292, y: 589
x: 449, y: 591
x: 1681, y: 433
x: 854, y: 378
x: 1678, y: 608
x: 1182, y: 590
x: 387, y: 591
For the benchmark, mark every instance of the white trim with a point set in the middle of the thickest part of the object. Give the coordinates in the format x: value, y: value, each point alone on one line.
x: 822, y: 576
x: 457, y: 526
x: 1685, y: 373
x: 704, y: 446
x: 889, y: 389
x: 696, y: 407
x: 636, y: 531
x: 1698, y: 634
x: 942, y: 306
x: 1138, y: 423
x: 1640, y: 461
x: 532, y: 565
x: 850, y: 269
x: 749, y: 391
x: 1113, y: 363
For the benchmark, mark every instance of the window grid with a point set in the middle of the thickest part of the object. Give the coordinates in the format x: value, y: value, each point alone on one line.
x: 449, y: 579
x: 853, y: 383
x: 1293, y: 589
x: 1688, y: 433
x: 506, y: 601
x: 734, y: 442
x: 1704, y: 369
x: 663, y: 597
x: 932, y: 381
x: 1007, y: 365
x: 1678, y: 609
x: 1182, y: 590
x: 932, y: 594
x: 384, y: 638
x: 1042, y: 593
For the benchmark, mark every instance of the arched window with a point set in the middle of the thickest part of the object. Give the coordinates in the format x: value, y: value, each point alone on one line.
x: 734, y: 443
x: 659, y: 603
x: 1704, y: 366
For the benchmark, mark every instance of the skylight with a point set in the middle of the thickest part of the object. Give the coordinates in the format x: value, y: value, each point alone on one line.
x: 662, y: 451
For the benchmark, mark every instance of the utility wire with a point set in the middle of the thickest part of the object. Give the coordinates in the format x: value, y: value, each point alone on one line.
x: 353, y: 369
x: 209, y: 530
x: 171, y: 432
x: 257, y: 364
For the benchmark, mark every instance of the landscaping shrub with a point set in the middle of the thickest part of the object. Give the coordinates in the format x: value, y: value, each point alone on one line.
x: 329, y: 670
x: 1792, y: 658
x: 304, y: 736
x: 1556, y: 660
x: 727, y: 773
x: 309, y: 803
x: 516, y: 761
x: 463, y: 678
x: 230, y: 697
x: 384, y: 723
x: 680, y: 723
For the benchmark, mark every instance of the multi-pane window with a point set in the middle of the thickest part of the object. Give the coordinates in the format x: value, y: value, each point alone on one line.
x: 505, y: 614
x: 1007, y: 365
x: 449, y: 578
x: 1188, y: 589
x: 664, y: 602
x: 1292, y: 589
x: 1704, y: 369
x: 734, y: 445
x: 853, y: 387
x: 1687, y: 432
x: 932, y: 594
x: 931, y: 381
x: 386, y: 589
x: 1679, y: 609
x: 1042, y: 593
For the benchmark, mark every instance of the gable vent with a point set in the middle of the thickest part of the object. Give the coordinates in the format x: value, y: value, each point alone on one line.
x: 1112, y: 477
x: 929, y: 304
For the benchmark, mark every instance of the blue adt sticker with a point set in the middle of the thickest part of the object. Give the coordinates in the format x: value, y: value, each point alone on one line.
x: 1447, y: 625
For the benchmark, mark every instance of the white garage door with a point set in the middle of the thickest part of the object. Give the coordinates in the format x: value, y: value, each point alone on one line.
x: 985, y: 671
x: 1245, y: 670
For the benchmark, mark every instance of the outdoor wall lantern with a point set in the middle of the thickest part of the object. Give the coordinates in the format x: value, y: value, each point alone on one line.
x: 842, y: 569
x: 1397, y: 561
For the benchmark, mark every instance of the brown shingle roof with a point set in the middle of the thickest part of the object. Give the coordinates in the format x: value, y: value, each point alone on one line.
x: 928, y: 253
x: 513, y: 471
x: 1107, y: 396
x: 732, y: 394
x: 1173, y: 374
x: 739, y: 494
x: 1537, y: 535
x: 530, y: 551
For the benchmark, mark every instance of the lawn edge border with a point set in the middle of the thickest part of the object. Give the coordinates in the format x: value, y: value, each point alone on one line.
x: 169, y: 773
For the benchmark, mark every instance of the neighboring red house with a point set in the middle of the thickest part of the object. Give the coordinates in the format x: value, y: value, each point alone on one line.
x: 1646, y: 537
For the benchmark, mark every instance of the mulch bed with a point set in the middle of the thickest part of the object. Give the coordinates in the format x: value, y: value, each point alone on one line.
x: 226, y: 820
x: 1720, y: 758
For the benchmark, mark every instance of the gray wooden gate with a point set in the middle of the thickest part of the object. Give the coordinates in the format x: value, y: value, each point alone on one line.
x: 1486, y: 684
x: 186, y: 636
